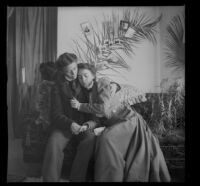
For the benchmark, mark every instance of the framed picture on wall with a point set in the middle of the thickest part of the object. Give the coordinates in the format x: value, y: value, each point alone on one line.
x: 86, y: 28
x: 124, y: 25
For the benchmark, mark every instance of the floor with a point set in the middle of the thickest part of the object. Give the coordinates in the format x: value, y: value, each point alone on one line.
x: 18, y: 171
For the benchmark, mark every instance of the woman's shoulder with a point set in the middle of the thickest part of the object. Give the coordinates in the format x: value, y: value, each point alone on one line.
x: 103, y: 82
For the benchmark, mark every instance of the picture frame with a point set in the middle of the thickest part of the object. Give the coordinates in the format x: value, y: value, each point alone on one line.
x: 124, y: 25
x: 86, y: 27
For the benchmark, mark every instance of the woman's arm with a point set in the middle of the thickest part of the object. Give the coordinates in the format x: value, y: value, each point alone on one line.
x: 104, y: 96
x: 60, y: 120
x: 93, y: 122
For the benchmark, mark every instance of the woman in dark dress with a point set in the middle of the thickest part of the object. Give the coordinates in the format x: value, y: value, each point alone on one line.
x: 126, y: 150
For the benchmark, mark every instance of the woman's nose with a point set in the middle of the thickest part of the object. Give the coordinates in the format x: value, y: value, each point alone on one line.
x: 84, y: 79
x: 72, y: 73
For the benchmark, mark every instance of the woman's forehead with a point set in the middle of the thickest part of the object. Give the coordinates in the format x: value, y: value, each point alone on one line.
x: 70, y: 66
x: 84, y: 71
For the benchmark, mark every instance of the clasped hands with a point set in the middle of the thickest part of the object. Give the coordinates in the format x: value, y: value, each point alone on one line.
x: 76, y: 128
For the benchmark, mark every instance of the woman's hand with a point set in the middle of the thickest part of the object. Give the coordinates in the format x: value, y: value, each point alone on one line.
x: 83, y: 128
x: 99, y: 130
x: 75, y: 128
x: 75, y: 103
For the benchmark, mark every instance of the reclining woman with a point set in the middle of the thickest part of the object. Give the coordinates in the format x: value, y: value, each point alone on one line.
x: 126, y: 150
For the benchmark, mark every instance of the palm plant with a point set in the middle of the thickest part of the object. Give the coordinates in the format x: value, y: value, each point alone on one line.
x: 175, y: 45
x: 110, y: 56
x: 172, y: 104
x: 175, y: 58
x: 144, y: 25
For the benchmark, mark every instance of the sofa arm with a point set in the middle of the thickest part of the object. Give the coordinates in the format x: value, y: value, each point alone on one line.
x: 34, y: 139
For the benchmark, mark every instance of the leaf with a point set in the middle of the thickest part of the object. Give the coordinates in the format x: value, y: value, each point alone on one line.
x: 143, y: 24
x: 113, y: 69
x: 100, y: 42
x: 80, y: 56
x: 122, y: 61
x: 86, y: 57
x: 175, y: 47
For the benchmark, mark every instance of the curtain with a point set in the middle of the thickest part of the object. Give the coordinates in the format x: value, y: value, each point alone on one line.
x: 32, y: 39
x: 10, y: 70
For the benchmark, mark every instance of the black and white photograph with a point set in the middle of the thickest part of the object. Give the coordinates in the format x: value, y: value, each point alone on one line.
x: 96, y: 94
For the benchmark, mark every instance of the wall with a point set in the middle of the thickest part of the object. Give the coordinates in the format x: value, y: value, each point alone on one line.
x: 147, y: 66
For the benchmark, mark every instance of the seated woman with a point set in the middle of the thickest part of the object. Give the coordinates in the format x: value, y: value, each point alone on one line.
x: 127, y: 150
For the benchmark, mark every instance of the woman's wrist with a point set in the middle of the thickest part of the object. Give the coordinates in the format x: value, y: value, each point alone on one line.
x: 78, y: 107
x: 87, y: 125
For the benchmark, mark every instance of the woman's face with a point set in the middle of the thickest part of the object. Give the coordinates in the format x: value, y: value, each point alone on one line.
x: 70, y: 71
x: 85, y: 77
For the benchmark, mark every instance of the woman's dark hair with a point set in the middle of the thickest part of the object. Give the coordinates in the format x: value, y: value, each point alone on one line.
x: 87, y: 66
x: 65, y: 60
x: 48, y: 70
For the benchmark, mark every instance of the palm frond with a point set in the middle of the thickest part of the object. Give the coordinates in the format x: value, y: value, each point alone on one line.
x: 75, y: 51
x: 142, y: 24
x: 100, y: 42
x: 175, y: 46
x: 128, y: 45
x: 90, y: 47
x: 146, y: 29
x: 83, y: 52
x: 139, y: 21
x: 78, y: 52
x: 115, y: 70
x: 122, y: 61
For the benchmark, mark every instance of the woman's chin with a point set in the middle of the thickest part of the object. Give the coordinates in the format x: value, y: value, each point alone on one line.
x: 73, y: 78
x: 86, y: 87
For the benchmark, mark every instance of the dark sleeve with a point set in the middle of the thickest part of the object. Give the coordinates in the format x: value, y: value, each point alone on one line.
x: 104, y: 96
x: 60, y: 120
x: 93, y: 123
